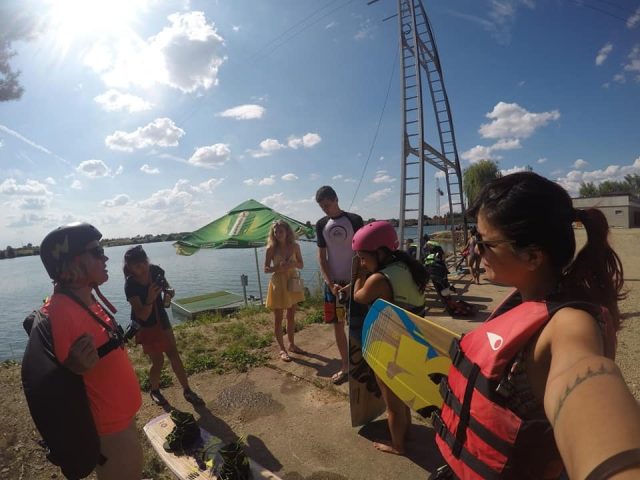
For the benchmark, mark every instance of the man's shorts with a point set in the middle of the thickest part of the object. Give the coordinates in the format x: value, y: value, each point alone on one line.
x: 331, y: 313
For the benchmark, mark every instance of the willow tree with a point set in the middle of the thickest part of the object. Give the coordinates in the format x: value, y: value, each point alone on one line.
x: 477, y: 176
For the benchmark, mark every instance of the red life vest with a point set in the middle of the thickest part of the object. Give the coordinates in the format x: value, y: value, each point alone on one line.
x: 479, y: 437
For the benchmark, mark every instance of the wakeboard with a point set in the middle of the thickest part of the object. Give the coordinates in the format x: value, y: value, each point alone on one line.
x: 193, y: 465
x: 409, y: 353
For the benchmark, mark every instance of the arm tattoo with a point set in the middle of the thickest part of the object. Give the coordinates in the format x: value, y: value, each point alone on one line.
x: 603, y: 370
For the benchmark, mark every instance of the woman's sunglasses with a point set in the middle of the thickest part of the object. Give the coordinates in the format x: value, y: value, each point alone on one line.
x: 97, y: 252
x: 482, y: 244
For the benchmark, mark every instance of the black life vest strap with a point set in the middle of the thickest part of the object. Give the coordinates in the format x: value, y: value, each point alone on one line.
x: 487, y: 436
x: 465, y: 412
x: 475, y: 464
x: 460, y: 361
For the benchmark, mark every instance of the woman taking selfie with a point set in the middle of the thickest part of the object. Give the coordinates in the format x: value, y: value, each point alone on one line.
x: 535, y: 391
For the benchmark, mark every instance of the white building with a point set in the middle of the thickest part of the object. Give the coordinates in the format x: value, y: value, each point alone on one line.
x: 621, y: 210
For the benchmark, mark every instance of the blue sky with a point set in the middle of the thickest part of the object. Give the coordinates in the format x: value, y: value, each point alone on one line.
x: 148, y: 116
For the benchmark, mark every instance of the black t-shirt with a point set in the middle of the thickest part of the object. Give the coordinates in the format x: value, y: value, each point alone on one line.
x: 135, y: 289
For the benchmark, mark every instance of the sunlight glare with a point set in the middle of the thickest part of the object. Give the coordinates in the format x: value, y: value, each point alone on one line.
x: 75, y: 21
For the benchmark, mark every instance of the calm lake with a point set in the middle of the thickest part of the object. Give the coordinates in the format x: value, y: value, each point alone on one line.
x: 24, y: 282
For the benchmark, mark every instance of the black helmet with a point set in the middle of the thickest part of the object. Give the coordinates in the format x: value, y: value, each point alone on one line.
x: 64, y: 243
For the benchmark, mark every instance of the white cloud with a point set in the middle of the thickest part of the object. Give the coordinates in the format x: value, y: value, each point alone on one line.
x: 174, y: 199
x: 572, y: 180
x: 634, y: 60
x: 619, y: 78
x: 383, y: 177
x: 580, y: 164
x: 118, y: 171
x: 243, y: 112
x: 267, y: 147
x: 541, y: 160
x: 378, y: 195
x: 184, y: 55
x: 235, y: 28
x: 149, y: 170
x: 212, y: 156
x: 112, y: 100
x: 76, y: 184
x: 482, y: 152
x: 289, y: 177
x: 162, y: 132
x: 330, y: 25
x: 501, y: 18
x: 30, y: 187
x: 365, y: 30
x: 634, y: 19
x: 515, y: 169
x: 50, y: 181
x: 308, y: 140
x: 337, y: 177
x: 270, y: 180
x: 209, y: 185
x: 510, y: 120
x: 33, y: 203
x: 604, y: 53
x: 117, y: 201
x: 93, y: 169
x: 28, y: 220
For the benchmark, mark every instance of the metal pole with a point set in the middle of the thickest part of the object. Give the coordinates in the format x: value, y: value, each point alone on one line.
x: 244, y: 280
x: 255, y: 250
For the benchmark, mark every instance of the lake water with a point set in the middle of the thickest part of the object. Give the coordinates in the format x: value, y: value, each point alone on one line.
x: 24, y: 282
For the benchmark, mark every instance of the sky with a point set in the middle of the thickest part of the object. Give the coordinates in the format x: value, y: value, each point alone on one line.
x: 149, y: 116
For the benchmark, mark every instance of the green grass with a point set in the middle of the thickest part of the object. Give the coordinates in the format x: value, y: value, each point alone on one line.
x: 224, y: 343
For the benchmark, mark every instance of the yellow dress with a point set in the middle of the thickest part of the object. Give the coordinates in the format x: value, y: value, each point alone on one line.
x: 278, y: 295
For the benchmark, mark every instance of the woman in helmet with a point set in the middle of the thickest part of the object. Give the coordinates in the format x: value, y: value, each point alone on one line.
x: 393, y: 275
x: 87, y: 341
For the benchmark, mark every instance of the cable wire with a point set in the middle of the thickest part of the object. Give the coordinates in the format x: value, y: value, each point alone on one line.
x: 375, y: 136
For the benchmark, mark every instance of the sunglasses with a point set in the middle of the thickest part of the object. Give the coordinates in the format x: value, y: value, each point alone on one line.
x: 482, y: 244
x: 97, y: 252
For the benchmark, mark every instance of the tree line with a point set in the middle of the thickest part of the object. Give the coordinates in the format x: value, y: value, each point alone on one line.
x: 479, y: 174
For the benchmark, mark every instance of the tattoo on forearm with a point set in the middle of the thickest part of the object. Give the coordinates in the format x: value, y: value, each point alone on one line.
x: 603, y: 370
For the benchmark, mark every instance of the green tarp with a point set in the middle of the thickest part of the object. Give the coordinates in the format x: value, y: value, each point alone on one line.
x: 245, y: 226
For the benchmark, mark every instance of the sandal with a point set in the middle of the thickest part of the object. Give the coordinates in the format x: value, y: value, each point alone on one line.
x: 158, y: 398
x: 192, y: 397
x: 284, y: 356
x: 339, y: 377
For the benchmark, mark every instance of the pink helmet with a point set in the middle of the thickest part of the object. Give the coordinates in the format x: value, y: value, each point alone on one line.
x: 375, y: 235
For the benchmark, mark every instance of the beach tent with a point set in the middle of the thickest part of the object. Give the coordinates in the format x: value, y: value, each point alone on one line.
x: 245, y: 226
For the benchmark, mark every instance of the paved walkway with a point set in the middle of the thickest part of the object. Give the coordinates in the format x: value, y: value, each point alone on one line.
x: 297, y: 423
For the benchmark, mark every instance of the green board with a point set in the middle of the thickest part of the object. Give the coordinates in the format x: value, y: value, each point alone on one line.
x: 185, y: 467
x: 408, y: 353
x: 208, y: 302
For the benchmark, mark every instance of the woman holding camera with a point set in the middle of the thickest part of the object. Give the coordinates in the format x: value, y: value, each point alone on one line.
x: 149, y: 293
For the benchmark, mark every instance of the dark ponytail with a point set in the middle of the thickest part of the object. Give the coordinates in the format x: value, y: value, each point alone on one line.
x: 417, y: 270
x: 596, y: 273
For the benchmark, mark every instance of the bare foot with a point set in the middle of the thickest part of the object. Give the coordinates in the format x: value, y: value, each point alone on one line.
x: 296, y: 349
x: 386, y: 448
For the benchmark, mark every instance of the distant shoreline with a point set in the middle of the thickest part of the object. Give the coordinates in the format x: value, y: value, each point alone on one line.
x: 30, y: 250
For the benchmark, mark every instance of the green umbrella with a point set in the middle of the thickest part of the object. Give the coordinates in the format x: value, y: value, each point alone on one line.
x: 245, y: 226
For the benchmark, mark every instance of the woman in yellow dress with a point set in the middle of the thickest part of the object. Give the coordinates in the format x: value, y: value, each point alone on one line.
x: 283, y: 259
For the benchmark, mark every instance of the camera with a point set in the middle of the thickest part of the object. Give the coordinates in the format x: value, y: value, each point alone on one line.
x: 131, y: 331
x: 161, y: 281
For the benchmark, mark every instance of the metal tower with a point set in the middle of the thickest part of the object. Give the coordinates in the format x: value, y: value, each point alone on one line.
x: 421, y: 76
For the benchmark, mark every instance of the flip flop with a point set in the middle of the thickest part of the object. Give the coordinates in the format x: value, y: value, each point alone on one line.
x: 284, y: 356
x: 339, y: 377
